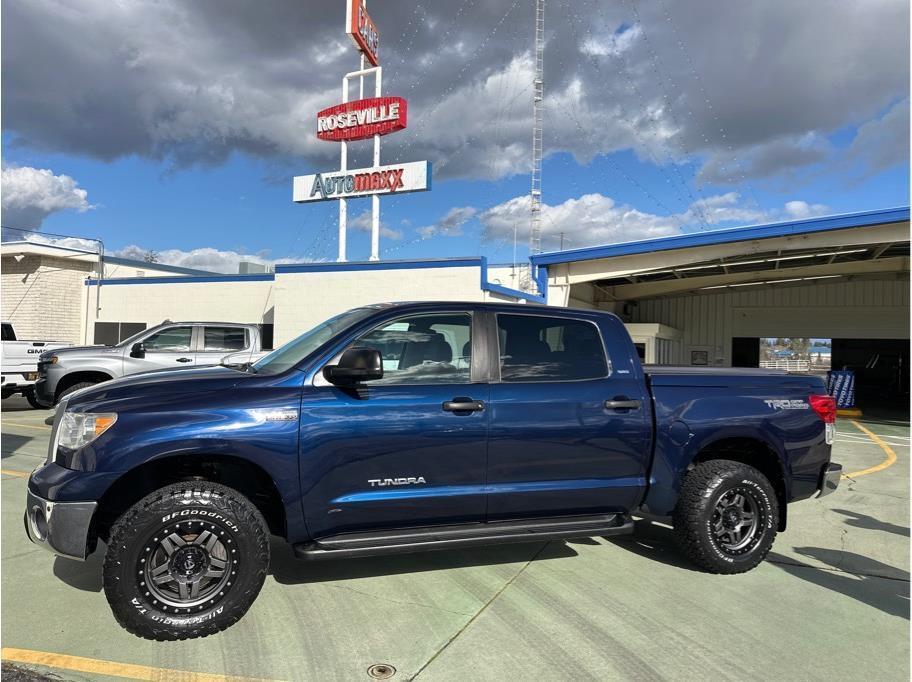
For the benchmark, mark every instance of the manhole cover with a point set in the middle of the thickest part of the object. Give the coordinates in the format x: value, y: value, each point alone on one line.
x: 381, y: 671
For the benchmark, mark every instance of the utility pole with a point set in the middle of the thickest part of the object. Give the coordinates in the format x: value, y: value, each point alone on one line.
x: 537, y: 124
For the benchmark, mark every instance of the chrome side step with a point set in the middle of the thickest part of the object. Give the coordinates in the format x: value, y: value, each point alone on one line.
x: 409, y: 540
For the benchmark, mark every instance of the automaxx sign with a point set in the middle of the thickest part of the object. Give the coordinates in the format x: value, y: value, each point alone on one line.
x: 397, y: 178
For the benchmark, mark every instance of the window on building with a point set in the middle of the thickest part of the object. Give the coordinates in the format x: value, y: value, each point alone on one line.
x: 266, y: 336
x: 226, y: 339
x: 535, y: 348
x: 112, y: 333
x: 170, y: 340
x: 423, y: 349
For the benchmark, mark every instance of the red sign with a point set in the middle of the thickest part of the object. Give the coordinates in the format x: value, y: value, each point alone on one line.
x: 363, y: 31
x: 362, y: 119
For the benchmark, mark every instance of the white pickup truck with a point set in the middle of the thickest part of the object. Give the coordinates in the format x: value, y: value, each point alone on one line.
x: 20, y: 364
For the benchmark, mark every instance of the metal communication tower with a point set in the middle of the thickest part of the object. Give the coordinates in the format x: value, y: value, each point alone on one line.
x: 537, y: 123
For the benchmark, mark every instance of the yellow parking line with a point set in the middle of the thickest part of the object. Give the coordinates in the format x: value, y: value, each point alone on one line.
x: 11, y: 472
x: 889, y: 461
x: 111, y: 668
x: 7, y: 422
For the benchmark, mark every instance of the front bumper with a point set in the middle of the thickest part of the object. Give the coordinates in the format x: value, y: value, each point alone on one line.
x: 829, y: 478
x: 44, y: 390
x: 60, y: 527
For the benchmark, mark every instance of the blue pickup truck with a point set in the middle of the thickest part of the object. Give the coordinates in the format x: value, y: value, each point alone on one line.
x: 405, y: 427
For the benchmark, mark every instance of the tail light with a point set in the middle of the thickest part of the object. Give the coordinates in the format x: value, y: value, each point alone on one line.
x: 825, y: 407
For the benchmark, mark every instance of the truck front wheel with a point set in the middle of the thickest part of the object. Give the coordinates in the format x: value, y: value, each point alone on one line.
x: 726, y: 517
x: 186, y: 561
x: 32, y: 396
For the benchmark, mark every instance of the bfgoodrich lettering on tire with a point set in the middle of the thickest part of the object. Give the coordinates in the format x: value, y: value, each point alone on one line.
x: 727, y: 516
x: 186, y: 561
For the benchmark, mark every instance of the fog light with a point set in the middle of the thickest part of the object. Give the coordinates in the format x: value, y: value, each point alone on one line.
x: 39, y: 523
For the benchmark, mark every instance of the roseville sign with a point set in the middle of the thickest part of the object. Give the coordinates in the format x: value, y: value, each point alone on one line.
x: 358, y: 182
x: 362, y: 119
x: 363, y: 31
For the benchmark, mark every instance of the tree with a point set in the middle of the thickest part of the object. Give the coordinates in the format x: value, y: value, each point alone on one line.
x: 150, y: 256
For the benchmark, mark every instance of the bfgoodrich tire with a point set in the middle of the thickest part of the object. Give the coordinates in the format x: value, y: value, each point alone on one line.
x: 726, y: 517
x: 185, y: 561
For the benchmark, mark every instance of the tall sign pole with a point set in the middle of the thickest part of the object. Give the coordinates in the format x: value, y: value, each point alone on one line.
x: 538, y: 96
x: 362, y: 119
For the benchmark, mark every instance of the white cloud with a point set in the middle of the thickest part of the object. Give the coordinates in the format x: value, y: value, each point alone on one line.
x: 363, y: 223
x: 31, y: 194
x: 802, y: 209
x: 614, y: 45
x: 215, y: 260
x: 596, y: 219
x: 451, y: 224
x: 883, y: 142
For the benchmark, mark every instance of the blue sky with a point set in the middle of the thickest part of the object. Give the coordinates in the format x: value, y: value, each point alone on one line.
x: 637, y: 145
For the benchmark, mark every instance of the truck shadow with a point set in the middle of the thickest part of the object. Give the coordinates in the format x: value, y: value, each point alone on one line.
x: 859, y: 577
x: 12, y: 442
x: 83, y: 575
x: 654, y: 542
x: 864, y: 521
x: 866, y: 583
x: 288, y: 570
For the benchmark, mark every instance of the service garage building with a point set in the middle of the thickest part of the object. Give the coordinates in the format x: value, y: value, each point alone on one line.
x: 709, y: 298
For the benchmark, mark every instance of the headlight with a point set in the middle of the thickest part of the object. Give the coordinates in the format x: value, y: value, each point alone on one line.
x: 79, y: 429
x: 50, y: 359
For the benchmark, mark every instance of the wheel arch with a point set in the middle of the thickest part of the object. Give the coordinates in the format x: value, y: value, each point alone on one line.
x: 754, y: 452
x: 242, y: 475
x: 73, y: 378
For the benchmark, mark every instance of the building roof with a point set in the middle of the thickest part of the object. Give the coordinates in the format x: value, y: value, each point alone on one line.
x: 57, y: 250
x: 869, y: 244
x: 727, y: 236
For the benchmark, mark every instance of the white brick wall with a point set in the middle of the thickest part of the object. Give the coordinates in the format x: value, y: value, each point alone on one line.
x: 43, y: 296
x: 304, y: 299
x: 236, y: 301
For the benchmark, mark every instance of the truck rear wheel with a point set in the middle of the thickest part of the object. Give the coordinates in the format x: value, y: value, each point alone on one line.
x: 186, y: 561
x: 726, y: 517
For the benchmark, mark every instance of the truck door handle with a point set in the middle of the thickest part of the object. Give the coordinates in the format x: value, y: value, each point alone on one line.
x: 622, y: 404
x: 463, y: 405
x: 185, y: 359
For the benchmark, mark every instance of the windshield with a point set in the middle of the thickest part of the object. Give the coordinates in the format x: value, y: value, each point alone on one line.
x: 130, y: 339
x: 293, y: 352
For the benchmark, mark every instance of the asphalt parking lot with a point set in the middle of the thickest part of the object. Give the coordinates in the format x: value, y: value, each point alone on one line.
x: 832, y: 601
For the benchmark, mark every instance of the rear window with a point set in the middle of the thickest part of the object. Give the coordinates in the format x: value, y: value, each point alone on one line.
x: 8, y: 333
x: 224, y: 339
x: 536, y: 348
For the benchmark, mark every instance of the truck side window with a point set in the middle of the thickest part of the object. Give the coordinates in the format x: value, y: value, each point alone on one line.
x: 8, y: 333
x: 224, y: 338
x: 423, y: 349
x: 174, y: 340
x: 537, y: 348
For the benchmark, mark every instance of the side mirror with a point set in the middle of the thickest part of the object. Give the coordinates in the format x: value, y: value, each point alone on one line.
x: 355, y: 365
x: 138, y: 350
